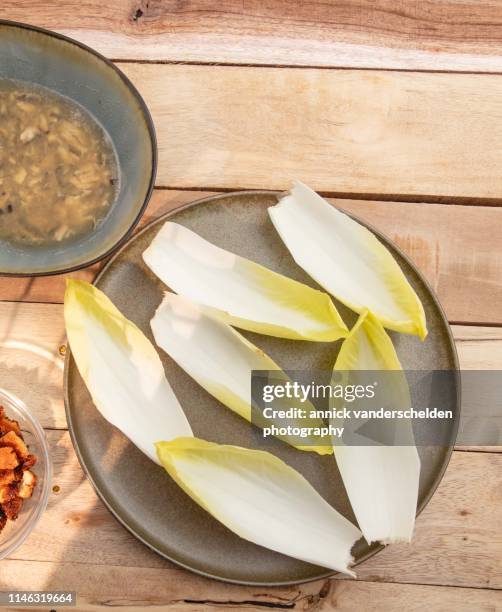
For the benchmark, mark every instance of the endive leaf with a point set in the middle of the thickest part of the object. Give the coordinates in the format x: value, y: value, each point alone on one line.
x: 121, y: 369
x: 347, y: 260
x: 381, y: 481
x: 221, y: 360
x: 239, y: 291
x: 261, y: 499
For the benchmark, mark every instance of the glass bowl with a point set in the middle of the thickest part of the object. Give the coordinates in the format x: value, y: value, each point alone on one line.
x: 15, y: 532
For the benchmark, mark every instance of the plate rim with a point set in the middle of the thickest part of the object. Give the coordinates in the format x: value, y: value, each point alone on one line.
x: 282, y: 583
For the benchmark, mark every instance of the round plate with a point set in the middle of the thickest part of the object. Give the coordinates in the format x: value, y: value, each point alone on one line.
x: 139, y: 493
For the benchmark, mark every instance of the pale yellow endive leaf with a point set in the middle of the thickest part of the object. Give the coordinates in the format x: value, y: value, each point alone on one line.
x: 121, y: 369
x: 239, y: 291
x: 222, y: 361
x: 261, y: 499
x: 381, y: 481
x: 347, y: 260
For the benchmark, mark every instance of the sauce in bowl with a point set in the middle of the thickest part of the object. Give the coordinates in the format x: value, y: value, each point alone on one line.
x: 58, y: 168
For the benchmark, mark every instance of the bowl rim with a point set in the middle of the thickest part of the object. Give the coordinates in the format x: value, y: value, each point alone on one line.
x: 152, y: 136
x: 45, y: 457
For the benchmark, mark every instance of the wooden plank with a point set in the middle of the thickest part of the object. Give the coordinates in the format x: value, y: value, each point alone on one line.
x: 479, y: 348
x: 341, y: 131
x: 31, y: 359
x: 138, y: 590
x: 458, y: 537
x: 454, y: 246
x: 455, y: 35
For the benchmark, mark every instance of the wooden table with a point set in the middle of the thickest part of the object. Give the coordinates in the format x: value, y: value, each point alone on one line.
x: 393, y: 110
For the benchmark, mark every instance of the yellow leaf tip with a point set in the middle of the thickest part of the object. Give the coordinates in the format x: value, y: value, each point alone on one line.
x: 422, y: 333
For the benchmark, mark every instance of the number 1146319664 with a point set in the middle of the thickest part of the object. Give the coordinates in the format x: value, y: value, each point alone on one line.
x: 38, y: 598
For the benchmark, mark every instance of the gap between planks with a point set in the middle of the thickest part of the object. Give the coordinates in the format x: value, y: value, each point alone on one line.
x: 371, y: 197
x: 128, y: 60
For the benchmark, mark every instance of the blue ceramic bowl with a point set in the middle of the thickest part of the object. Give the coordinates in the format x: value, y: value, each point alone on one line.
x: 67, y: 67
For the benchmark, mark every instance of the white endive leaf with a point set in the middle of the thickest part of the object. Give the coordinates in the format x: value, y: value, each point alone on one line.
x: 239, y: 291
x: 121, y: 369
x: 347, y: 260
x: 261, y: 499
x: 381, y: 481
x: 221, y: 360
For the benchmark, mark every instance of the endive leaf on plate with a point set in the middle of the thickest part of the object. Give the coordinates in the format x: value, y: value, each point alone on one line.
x: 239, y: 291
x: 381, y: 481
x: 222, y: 361
x: 121, y: 369
x: 261, y: 499
x: 347, y: 260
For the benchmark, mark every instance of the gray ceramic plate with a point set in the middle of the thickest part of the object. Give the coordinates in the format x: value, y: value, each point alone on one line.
x: 69, y: 68
x: 139, y: 493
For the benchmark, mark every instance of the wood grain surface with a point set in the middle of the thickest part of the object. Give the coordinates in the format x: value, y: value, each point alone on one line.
x: 341, y: 131
x: 391, y: 108
x: 404, y: 34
